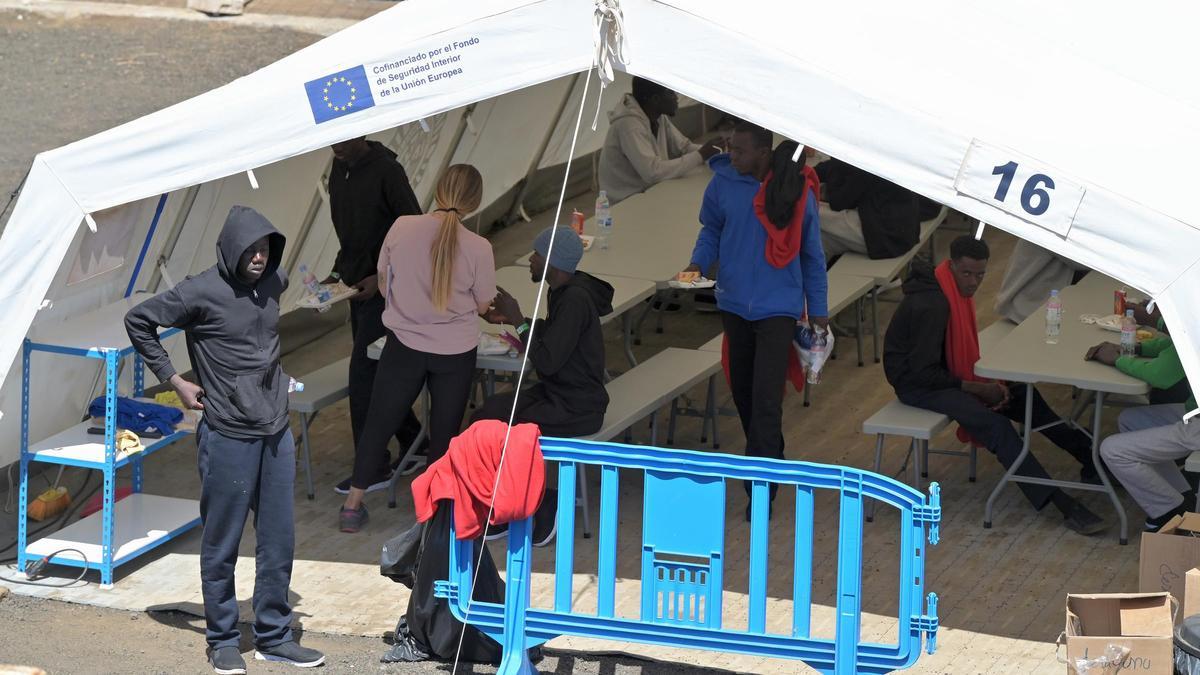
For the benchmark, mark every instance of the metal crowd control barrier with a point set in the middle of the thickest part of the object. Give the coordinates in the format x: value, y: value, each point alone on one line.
x: 683, y: 554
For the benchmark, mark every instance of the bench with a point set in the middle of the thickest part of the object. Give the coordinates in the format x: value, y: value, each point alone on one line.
x: 322, y: 388
x: 897, y: 419
x: 884, y: 270
x: 641, y: 391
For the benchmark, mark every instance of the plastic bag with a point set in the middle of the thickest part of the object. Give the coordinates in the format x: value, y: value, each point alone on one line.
x: 1109, y: 661
x: 813, y: 345
x: 398, y: 559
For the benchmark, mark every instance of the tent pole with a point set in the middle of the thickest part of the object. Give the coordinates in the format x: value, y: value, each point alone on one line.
x: 168, y: 249
x: 137, y: 268
x: 454, y: 142
x: 515, y: 210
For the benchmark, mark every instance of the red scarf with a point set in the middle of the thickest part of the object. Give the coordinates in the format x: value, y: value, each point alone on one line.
x: 962, y: 334
x: 783, y: 245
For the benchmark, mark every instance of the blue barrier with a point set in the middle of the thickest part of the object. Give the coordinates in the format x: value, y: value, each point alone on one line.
x: 681, y: 599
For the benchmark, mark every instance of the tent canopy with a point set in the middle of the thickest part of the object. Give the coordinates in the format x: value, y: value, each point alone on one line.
x: 1069, y: 125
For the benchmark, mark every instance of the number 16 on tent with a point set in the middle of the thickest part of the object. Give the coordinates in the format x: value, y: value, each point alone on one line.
x: 1019, y: 185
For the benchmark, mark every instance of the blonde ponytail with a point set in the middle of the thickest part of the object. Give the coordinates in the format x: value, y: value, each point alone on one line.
x: 458, y: 193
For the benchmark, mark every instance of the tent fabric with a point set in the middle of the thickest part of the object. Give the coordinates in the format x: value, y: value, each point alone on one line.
x: 927, y: 94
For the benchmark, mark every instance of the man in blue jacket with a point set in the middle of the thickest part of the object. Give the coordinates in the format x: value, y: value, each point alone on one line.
x: 760, y: 291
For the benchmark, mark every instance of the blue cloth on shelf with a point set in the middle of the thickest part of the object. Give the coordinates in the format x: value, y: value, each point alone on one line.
x: 140, y: 416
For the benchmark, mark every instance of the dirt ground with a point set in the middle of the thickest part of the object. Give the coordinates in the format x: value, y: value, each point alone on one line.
x: 94, y: 640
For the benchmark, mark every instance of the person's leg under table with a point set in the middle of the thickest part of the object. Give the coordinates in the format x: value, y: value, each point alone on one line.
x: 1143, y: 456
x: 1051, y: 425
x: 995, y: 432
x: 274, y: 528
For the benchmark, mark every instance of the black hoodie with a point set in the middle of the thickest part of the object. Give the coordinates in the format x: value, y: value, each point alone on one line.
x: 890, y: 214
x: 364, y: 201
x: 914, y: 347
x: 231, y: 329
x: 567, y: 349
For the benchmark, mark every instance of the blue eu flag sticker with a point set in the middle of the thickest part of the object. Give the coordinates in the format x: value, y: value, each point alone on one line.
x: 339, y: 94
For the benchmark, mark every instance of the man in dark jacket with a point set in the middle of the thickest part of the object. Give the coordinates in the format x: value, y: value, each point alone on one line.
x: 914, y: 361
x: 368, y: 191
x: 230, y: 315
x: 566, y: 350
x: 863, y: 213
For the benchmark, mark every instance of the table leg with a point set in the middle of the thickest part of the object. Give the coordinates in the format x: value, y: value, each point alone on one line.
x: 875, y: 320
x: 1108, y: 487
x: 858, y: 329
x: 627, y: 329
x: 637, y: 327
x: 1025, y: 441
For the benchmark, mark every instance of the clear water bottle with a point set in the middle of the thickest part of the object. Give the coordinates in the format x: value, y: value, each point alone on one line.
x: 314, y: 287
x: 1054, y: 310
x: 604, y: 223
x: 1128, y: 334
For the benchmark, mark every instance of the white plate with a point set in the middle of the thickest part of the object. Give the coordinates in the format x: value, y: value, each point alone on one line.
x: 692, y: 285
x: 338, y: 292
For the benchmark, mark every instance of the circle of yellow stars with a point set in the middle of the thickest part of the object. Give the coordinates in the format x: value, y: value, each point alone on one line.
x: 349, y: 104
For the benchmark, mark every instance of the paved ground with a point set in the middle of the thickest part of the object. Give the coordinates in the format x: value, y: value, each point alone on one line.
x: 93, y: 640
x: 68, y: 79
x: 333, y: 9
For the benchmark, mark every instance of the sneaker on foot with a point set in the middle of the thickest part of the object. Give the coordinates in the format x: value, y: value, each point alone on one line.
x: 227, y: 661
x: 290, y: 652
x: 1080, y: 519
x: 343, y: 488
x: 351, y: 521
x: 496, y: 532
x: 1156, y: 524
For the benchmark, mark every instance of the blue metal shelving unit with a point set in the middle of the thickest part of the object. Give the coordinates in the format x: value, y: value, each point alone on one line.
x: 120, y: 531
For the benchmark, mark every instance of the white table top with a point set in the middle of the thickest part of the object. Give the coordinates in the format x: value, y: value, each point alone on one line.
x: 653, y: 232
x: 845, y: 289
x: 1024, y: 356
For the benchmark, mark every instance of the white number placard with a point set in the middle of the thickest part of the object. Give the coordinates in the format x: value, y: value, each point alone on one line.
x: 1019, y: 185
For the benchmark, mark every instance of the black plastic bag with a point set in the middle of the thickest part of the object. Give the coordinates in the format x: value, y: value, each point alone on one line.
x: 398, y: 559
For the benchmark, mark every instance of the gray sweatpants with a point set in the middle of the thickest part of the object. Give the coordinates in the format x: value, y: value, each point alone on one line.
x: 841, y: 232
x: 1143, y: 455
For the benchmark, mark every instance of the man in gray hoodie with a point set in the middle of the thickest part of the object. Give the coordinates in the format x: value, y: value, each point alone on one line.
x: 247, y: 459
x: 643, y: 147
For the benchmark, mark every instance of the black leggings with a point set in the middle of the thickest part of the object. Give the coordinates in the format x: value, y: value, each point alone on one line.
x: 398, y: 381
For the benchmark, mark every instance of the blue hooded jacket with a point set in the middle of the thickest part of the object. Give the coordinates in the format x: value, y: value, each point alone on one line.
x: 747, y: 285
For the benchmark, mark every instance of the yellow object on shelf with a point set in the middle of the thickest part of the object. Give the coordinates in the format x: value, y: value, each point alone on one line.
x: 49, y: 504
x: 169, y: 398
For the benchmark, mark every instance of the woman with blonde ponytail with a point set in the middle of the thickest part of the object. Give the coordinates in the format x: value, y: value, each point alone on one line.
x: 437, y: 278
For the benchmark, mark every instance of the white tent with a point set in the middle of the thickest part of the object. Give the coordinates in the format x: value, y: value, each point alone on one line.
x: 1071, y: 125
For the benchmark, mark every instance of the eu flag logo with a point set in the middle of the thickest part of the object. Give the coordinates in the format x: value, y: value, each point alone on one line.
x: 339, y: 94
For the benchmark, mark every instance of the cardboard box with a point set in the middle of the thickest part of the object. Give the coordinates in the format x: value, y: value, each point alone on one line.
x: 1191, y: 594
x: 1168, y: 554
x: 1142, y: 622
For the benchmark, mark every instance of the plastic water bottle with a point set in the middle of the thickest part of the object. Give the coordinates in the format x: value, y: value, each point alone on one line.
x: 1128, y: 334
x: 294, y: 385
x: 604, y: 223
x: 1054, y: 311
x: 314, y: 287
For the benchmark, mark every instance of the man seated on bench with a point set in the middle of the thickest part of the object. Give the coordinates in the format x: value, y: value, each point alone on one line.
x: 642, y: 147
x: 567, y: 348
x: 1152, y: 438
x: 929, y: 355
x: 863, y: 213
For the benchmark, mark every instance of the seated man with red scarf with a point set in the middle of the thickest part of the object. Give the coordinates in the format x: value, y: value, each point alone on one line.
x: 929, y: 355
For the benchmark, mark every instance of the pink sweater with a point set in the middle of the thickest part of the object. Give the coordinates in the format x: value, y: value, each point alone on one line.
x: 406, y: 280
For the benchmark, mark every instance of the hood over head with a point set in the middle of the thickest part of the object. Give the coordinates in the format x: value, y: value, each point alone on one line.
x: 629, y: 107
x: 244, y: 226
x: 921, y: 279
x: 600, y: 290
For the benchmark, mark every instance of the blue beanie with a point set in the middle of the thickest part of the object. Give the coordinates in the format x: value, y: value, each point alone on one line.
x: 568, y: 248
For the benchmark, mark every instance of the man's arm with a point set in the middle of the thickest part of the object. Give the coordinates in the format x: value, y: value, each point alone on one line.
x: 681, y: 144
x: 638, y: 147
x: 928, y: 340
x: 812, y: 262
x: 554, y: 341
x: 398, y: 193
x: 1163, y: 371
x: 712, y: 221
x: 170, y: 309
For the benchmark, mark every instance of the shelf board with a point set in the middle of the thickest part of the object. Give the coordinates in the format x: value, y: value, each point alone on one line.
x: 97, y: 330
x: 140, y: 522
x: 76, y: 447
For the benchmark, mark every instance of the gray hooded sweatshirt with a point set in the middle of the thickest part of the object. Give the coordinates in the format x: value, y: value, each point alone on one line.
x: 633, y: 159
x: 231, y: 329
